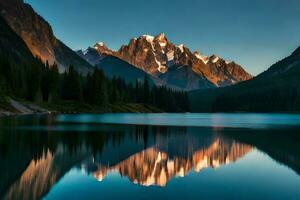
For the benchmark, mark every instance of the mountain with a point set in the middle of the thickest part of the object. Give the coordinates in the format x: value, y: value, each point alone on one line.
x: 288, y: 64
x: 12, y: 45
x: 174, y: 66
x: 91, y: 55
x: 275, y: 90
x: 156, y: 55
x: 102, y: 57
x: 39, y: 37
x: 95, y: 54
x: 115, y: 67
x: 185, y: 78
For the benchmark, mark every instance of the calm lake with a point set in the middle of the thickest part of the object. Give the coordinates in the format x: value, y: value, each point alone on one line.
x: 150, y: 156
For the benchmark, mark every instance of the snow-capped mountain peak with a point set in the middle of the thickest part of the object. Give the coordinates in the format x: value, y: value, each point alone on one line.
x: 102, y: 48
x: 198, y: 55
x: 157, y: 56
x: 181, y: 47
x: 160, y: 37
x: 100, y: 43
x: 149, y: 38
x: 215, y: 59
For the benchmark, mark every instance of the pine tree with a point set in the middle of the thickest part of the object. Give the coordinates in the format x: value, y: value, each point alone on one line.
x: 71, y: 86
x: 146, y: 90
x: 2, y: 91
x: 54, y: 83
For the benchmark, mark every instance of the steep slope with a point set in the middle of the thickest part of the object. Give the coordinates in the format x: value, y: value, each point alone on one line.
x: 175, y: 66
x: 39, y: 37
x: 91, y: 56
x: 12, y: 45
x: 288, y: 64
x: 103, y: 58
x: 13, y: 54
x: 95, y: 54
x: 275, y: 90
x: 184, y: 77
x: 115, y: 67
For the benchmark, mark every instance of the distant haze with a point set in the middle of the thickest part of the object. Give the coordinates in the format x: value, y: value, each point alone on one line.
x: 253, y: 33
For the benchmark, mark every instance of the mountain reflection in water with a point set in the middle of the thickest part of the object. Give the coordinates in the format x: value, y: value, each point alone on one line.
x: 34, y: 159
x: 155, y: 167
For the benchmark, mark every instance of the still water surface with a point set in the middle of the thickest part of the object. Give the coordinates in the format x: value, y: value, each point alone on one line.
x: 150, y: 156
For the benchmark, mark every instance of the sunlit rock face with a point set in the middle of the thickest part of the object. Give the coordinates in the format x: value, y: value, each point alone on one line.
x: 154, y: 167
x: 39, y: 37
x: 35, y: 180
x: 174, y: 65
x: 159, y: 57
x: 36, y: 32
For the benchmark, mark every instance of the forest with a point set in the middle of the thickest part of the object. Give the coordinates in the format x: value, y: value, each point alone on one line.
x: 40, y: 82
x: 265, y: 93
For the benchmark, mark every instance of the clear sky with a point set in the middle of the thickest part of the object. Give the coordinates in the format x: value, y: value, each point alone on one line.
x: 254, y: 33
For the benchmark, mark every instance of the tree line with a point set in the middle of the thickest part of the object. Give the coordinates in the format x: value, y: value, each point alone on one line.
x: 275, y: 95
x: 40, y: 82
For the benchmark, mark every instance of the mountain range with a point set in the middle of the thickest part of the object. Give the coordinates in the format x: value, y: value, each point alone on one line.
x: 170, y: 65
x: 154, y: 167
x: 163, y: 62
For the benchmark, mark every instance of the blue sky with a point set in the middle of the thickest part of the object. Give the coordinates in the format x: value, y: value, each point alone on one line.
x: 253, y: 33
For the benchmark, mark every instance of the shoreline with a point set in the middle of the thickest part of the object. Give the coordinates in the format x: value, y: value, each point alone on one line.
x: 17, y: 108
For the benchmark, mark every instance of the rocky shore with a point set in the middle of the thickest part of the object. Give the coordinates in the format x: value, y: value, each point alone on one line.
x: 18, y: 108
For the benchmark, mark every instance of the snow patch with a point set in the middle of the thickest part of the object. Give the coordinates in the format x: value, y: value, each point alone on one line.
x: 161, y: 68
x: 149, y: 38
x: 216, y: 59
x: 170, y: 55
x: 86, y: 52
x: 162, y: 44
x: 202, y: 57
x: 181, y: 47
x: 100, y: 44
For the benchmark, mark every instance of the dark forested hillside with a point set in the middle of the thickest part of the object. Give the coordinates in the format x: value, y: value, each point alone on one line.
x: 11, y: 44
x: 275, y: 90
x: 13, y: 52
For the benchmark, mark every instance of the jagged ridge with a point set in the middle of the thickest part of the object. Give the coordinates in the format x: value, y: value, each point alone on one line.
x: 174, y: 65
